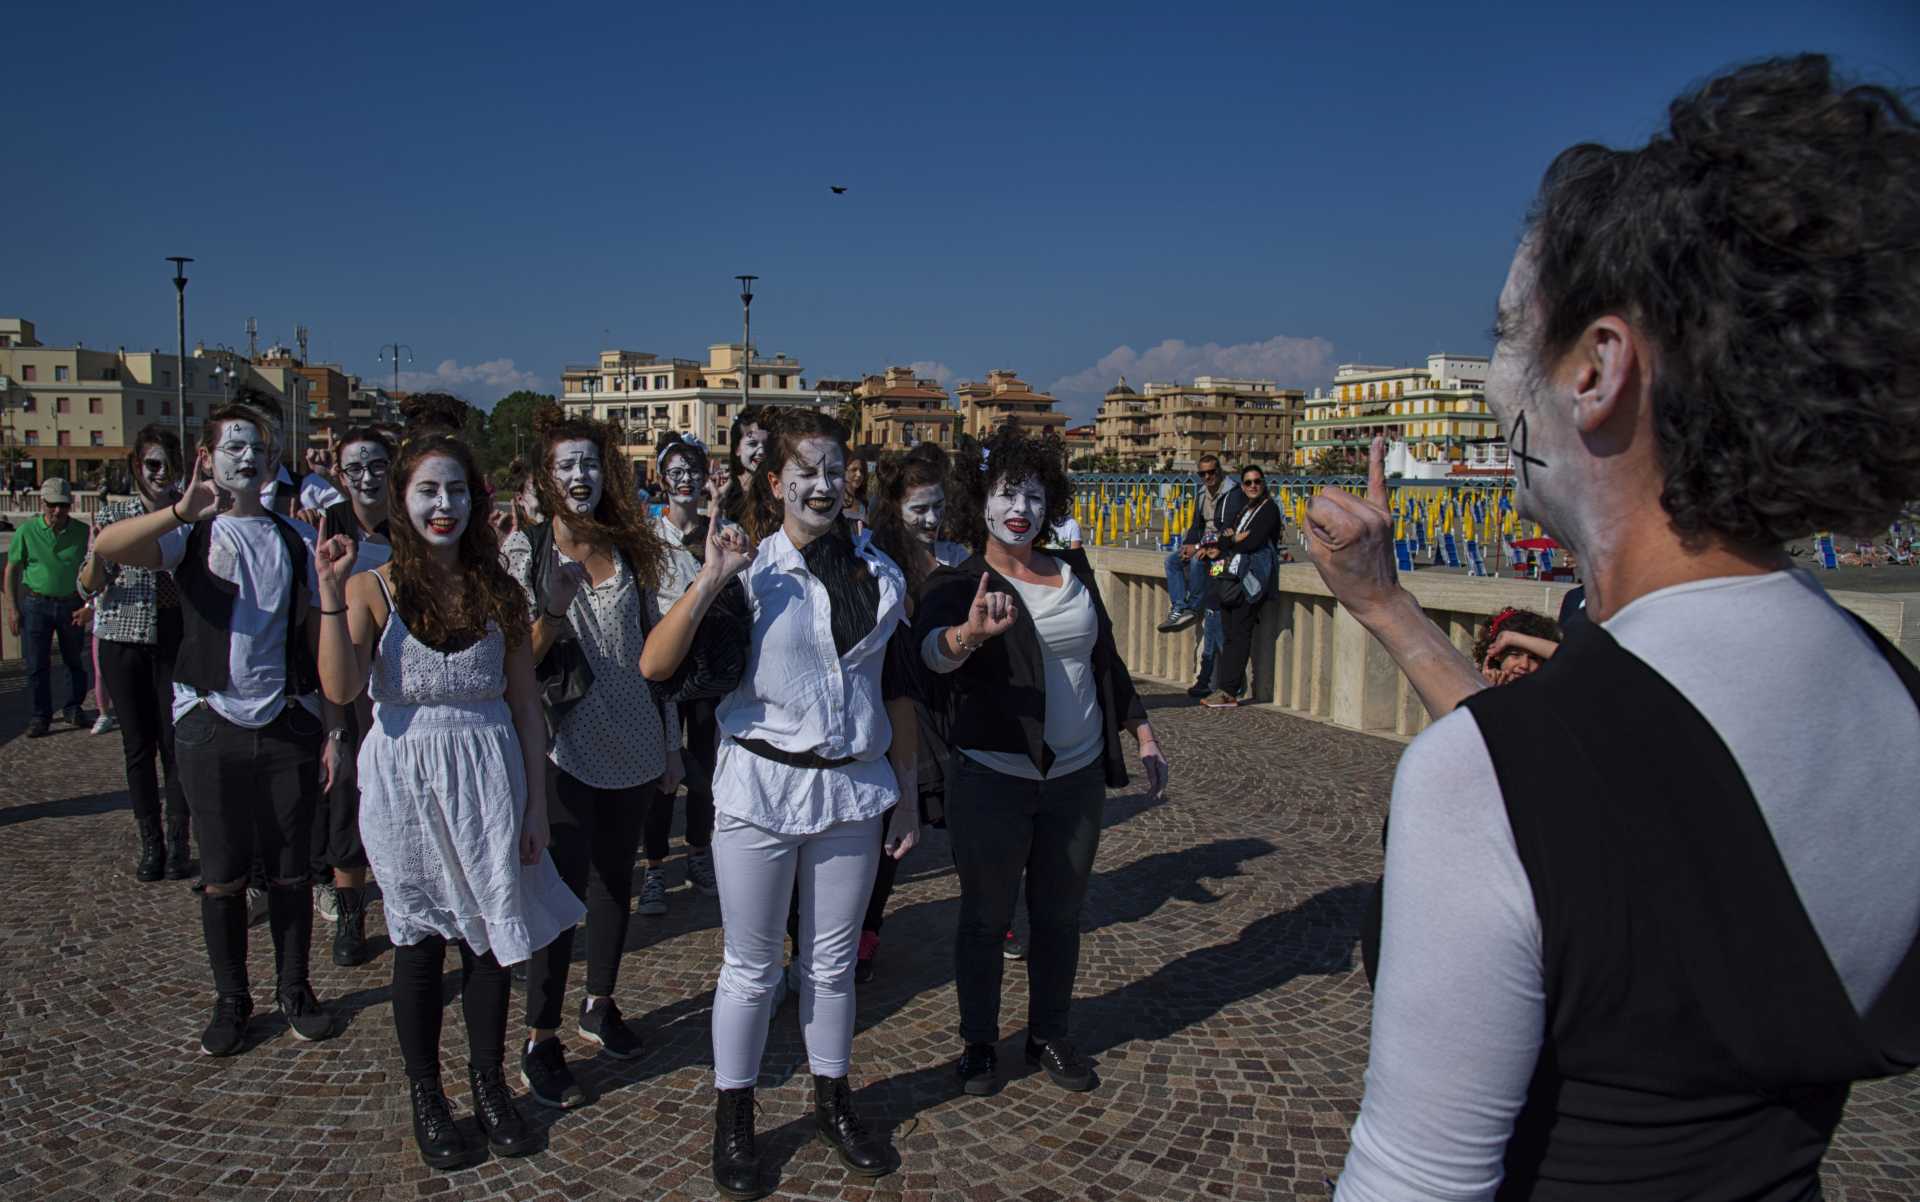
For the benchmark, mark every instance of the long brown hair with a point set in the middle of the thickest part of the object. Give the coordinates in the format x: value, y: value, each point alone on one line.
x: 441, y: 611
x: 785, y: 428
x: 901, y: 472
x: 619, y: 521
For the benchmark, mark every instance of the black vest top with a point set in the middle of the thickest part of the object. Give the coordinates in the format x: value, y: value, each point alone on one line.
x: 1699, y: 1043
x: 206, y: 615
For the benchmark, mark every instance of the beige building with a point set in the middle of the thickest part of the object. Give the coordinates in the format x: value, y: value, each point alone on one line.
x: 1246, y: 421
x: 900, y: 410
x: 1437, y: 413
x: 1002, y: 398
x: 644, y: 395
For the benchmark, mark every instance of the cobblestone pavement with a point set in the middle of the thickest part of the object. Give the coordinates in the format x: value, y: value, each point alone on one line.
x: 1219, y: 991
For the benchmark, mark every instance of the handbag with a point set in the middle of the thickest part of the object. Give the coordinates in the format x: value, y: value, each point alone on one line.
x: 563, y: 672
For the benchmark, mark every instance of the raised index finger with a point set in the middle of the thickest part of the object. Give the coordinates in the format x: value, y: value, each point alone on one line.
x: 1377, y: 473
x: 980, y: 594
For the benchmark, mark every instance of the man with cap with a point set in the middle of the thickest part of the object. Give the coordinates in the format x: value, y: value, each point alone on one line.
x: 43, y: 566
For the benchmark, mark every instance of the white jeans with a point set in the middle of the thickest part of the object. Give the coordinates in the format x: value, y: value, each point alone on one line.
x: 757, y: 869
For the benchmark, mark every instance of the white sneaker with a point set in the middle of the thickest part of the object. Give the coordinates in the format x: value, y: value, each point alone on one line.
x: 327, y: 901
x: 700, y: 872
x: 105, y: 723
x: 653, y: 895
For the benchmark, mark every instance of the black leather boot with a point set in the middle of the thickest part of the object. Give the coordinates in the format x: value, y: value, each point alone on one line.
x: 153, y: 849
x: 350, y: 932
x: 506, y: 1128
x: 861, y: 1151
x: 736, y: 1161
x: 433, y: 1129
x: 179, y: 850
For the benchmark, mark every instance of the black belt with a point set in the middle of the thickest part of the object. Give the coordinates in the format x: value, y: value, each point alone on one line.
x: 792, y: 759
x: 48, y: 597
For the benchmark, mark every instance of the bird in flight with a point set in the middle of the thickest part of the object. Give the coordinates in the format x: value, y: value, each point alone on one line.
x: 837, y: 189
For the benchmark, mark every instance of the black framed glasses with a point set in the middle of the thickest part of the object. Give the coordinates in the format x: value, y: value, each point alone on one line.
x: 373, y: 471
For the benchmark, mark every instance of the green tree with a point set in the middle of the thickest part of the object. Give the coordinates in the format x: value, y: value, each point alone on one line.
x: 510, y: 429
x: 1339, y: 461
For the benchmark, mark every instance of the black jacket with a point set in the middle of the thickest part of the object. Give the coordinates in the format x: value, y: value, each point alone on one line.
x: 1261, y: 531
x: 1229, y: 506
x: 998, y: 697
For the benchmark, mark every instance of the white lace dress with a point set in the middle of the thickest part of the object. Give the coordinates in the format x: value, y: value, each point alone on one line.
x: 442, y: 788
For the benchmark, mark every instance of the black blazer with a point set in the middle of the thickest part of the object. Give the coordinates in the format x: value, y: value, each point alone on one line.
x: 998, y: 697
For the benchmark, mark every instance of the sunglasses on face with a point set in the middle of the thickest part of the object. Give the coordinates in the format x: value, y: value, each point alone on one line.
x: 1208, y: 473
x: 1252, y: 482
x: 154, y: 466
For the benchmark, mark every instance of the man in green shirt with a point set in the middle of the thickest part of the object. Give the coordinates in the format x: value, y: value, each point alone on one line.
x: 43, y: 566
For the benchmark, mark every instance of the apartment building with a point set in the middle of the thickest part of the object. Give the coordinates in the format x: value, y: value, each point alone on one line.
x: 1247, y: 421
x: 900, y: 410
x: 1002, y: 398
x: 1438, y: 413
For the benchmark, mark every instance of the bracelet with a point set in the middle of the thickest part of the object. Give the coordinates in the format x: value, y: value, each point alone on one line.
x: 328, y: 613
x: 960, y: 643
x: 551, y: 616
x: 174, y: 509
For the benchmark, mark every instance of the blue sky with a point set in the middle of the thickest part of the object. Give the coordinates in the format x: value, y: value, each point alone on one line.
x: 1066, y: 191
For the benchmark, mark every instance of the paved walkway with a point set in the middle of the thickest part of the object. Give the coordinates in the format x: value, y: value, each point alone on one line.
x: 1220, y: 992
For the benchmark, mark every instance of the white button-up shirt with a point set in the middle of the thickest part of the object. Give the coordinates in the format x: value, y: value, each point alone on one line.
x: 800, y: 695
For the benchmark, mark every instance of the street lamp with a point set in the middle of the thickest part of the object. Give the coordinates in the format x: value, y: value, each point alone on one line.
x: 392, y: 350
x: 746, y: 337
x: 180, y: 365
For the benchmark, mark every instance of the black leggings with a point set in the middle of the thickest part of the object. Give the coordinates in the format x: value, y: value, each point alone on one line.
x: 595, y: 836
x: 703, y: 733
x: 139, y: 678
x: 417, y: 1005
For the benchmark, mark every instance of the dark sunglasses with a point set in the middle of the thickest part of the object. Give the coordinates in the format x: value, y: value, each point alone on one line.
x: 155, y: 465
x: 1254, y: 482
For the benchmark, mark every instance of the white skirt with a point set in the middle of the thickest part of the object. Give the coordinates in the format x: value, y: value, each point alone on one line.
x: 442, y: 789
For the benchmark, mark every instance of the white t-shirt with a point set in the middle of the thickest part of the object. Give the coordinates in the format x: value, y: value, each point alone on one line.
x: 318, y: 492
x: 682, y: 567
x: 1067, y: 532
x: 1065, y: 621
x: 248, y: 553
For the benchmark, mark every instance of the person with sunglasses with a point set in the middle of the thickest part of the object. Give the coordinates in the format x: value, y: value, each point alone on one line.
x: 1244, y: 558
x: 1217, y: 507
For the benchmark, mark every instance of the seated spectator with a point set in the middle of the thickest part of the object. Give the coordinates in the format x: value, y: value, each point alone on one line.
x: 1642, y: 929
x: 1217, y: 507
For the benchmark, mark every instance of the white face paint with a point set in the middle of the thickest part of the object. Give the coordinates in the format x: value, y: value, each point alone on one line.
x: 364, y: 467
x: 1016, y: 510
x: 812, y: 484
x: 753, y: 447
x: 922, y: 509
x: 156, y: 474
x: 439, y: 503
x: 241, y: 456
x: 578, y: 474
x: 682, y: 479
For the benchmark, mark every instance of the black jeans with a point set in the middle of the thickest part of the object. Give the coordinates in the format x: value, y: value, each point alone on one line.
x: 703, y: 733
x: 139, y: 678
x: 484, y: 989
x: 1230, y: 672
x: 46, y: 623
x: 1001, y: 827
x: 251, y: 793
x: 595, y: 836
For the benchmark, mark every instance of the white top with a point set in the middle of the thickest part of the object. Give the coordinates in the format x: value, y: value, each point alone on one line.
x: 1064, y: 619
x: 616, y: 736
x: 682, y: 567
x: 248, y: 553
x: 950, y: 553
x: 1067, y: 532
x: 317, y: 492
x: 1827, y: 739
x: 800, y: 695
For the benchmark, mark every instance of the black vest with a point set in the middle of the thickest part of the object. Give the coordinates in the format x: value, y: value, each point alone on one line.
x: 1699, y: 1043
x: 206, y: 616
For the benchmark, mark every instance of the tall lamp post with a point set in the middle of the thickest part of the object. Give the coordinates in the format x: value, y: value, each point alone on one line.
x: 746, y: 338
x: 180, y: 367
x: 392, y: 351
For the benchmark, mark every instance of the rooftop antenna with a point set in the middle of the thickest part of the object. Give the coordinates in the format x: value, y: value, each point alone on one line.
x: 300, y: 334
x: 253, y: 337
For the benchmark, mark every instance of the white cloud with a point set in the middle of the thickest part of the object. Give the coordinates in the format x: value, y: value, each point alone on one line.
x: 481, y: 383
x: 932, y: 369
x: 1290, y: 362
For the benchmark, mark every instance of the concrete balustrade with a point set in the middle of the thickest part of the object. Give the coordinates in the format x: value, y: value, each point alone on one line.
x: 1310, y: 657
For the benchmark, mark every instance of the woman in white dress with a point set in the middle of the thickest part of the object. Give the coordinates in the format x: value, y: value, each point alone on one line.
x: 455, y: 825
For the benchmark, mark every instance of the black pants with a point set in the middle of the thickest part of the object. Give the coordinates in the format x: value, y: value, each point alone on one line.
x: 703, y: 733
x: 1230, y: 670
x: 1000, y: 827
x: 882, y: 882
x: 596, y: 834
x: 139, y: 678
x: 336, y: 815
x: 251, y: 793
x: 484, y: 989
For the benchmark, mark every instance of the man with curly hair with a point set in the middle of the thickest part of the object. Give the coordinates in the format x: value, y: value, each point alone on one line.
x: 1642, y: 931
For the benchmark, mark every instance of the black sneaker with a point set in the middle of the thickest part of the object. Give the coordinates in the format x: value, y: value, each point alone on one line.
x: 306, y: 1018
x: 77, y: 717
x: 433, y: 1130
x: 1200, y: 689
x: 500, y: 1117
x: 978, y: 1069
x: 228, y: 1030
x: 603, y: 1025
x: 543, y: 1070
x: 38, y: 729
x: 1171, y: 622
x: 1062, y: 1064
x: 1011, y: 948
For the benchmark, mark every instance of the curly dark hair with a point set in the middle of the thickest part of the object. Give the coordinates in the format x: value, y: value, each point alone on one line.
x: 1769, y: 245
x: 620, y: 520
x: 1010, y: 455
x: 1520, y: 621
x: 438, y: 611
x: 899, y: 473
x: 434, y: 412
x: 786, y: 428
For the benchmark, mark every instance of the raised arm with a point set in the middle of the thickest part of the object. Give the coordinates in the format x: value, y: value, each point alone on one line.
x: 135, y: 541
x: 729, y: 551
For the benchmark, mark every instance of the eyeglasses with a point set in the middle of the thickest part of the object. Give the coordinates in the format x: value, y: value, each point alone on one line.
x: 155, y: 466
x: 1208, y: 473
x: 373, y: 471
x: 1253, y: 482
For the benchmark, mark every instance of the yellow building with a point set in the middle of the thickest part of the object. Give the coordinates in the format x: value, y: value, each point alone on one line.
x: 1245, y: 421
x: 1438, y: 412
x: 899, y: 410
x: 1002, y: 398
